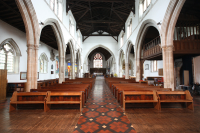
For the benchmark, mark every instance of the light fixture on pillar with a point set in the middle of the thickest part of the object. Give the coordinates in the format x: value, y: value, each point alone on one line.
x: 159, y: 23
x: 41, y: 23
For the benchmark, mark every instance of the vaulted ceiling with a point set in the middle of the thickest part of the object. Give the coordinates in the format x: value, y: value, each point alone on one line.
x: 101, y: 16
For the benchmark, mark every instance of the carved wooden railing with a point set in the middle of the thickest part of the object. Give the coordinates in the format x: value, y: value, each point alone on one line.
x: 152, y: 48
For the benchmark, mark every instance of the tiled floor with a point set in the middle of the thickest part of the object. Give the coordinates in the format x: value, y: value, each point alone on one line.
x: 102, y: 113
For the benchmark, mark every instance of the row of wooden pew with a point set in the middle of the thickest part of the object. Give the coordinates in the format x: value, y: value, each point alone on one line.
x: 129, y: 91
x: 69, y: 92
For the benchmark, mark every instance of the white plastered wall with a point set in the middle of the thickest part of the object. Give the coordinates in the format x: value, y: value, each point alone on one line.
x: 155, y: 12
x: 94, y: 42
x: 8, y: 31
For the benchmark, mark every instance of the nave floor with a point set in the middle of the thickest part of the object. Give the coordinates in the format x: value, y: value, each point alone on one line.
x: 143, y: 120
x: 102, y: 113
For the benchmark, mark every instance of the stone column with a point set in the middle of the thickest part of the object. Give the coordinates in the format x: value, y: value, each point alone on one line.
x: 36, y: 67
x: 126, y: 71
x: 73, y: 70
x: 61, y: 69
x: 30, y: 67
x: 138, y: 70
x: 168, y: 67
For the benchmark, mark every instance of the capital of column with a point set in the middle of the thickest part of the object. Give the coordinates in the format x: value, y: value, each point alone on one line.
x: 166, y: 47
x: 36, y: 47
x: 30, y: 46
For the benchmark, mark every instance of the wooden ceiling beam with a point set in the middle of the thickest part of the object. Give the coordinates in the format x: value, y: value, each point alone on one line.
x: 83, y: 15
x: 72, y: 6
x: 122, y: 12
x: 118, y: 16
x: 128, y: 1
x: 99, y: 21
x: 8, y: 7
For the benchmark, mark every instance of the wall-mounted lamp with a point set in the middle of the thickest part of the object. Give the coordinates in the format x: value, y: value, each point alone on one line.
x: 41, y: 23
x: 159, y: 23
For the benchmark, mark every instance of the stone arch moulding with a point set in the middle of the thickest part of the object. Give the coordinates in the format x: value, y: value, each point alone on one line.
x: 142, y: 32
x: 128, y: 49
x: 13, y: 45
x: 70, y: 44
x: 73, y: 56
x: 61, y: 45
x: 167, y: 31
x: 120, y: 56
x: 169, y: 21
x: 138, y: 44
x: 30, y: 20
x: 114, y: 58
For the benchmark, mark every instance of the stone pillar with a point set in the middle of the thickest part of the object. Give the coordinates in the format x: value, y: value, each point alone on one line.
x: 30, y: 67
x: 73, y: 70
x: 61, y: 69
x: 138, y: 73
x: 168, y: 67
x: 36, y: 67
x: 126, y: 71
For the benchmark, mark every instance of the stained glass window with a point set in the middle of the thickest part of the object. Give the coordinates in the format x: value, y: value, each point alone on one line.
x: 98, y: 61
x: 43, y: 63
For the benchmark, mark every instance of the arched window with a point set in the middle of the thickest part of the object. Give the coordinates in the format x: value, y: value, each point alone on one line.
x: 56, y: 6
x: 122, y: 40
x: 9, y: 56
x: 129, y: 28
x: 43, y: 61
x: 71, y: 25
x: 79, y: 38
x: 146, y: 4
x: 98, y: 61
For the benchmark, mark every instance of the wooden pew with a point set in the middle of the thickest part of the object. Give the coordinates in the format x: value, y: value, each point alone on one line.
x: 119, y: 92
x: 27, y: 98
x: 176, y: 97
x: 140, y: 97
x: 70, y: 86
x: 63, y: 98
x: 83, y: 91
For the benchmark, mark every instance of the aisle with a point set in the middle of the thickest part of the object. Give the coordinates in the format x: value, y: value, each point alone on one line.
x: 102, y: 114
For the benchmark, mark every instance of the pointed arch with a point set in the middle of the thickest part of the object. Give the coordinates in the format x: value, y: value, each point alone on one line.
x: 138, y: 44
x: 32, y: 35
x: 61, y: 45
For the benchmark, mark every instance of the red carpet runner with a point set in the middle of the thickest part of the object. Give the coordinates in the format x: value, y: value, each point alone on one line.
x: 102, y: 113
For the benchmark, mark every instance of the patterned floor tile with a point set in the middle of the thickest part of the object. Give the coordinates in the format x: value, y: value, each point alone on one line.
x: 102, y: 113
